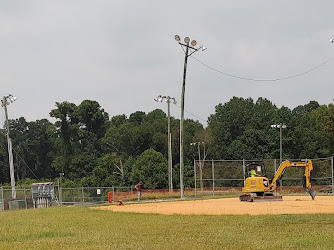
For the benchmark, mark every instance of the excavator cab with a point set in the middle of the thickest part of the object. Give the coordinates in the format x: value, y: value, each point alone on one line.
x: 259, y: 168
x: 257, y: 187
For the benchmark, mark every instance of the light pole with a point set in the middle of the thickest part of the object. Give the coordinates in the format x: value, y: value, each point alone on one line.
x: 199, y: 161
x: 4, y: 103
x: 189, y: 50
x: 280, y: 126
x: 160, y: 98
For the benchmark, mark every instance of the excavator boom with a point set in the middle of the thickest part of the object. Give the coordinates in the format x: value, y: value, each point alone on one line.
x: 308, y: 166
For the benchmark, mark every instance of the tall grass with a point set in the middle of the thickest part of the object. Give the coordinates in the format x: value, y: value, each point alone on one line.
x: 85, y: 228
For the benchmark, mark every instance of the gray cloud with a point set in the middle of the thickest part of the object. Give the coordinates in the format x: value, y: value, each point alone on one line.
x: 123, y: 54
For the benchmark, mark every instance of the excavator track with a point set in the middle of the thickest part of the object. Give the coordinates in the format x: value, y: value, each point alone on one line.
x: 255, y: 198
x: 268, y: 198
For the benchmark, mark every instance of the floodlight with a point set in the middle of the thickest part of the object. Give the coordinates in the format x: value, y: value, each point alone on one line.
x: 186, y: 40
x: 177, y: 38
x: 12, y: 98
x: 193, y: 43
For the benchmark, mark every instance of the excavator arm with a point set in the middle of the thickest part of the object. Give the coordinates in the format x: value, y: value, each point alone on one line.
x: 306, y: 178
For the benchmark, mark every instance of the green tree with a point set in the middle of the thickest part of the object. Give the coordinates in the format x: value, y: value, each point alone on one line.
x: 138, y: 117
x: 32, y: 148
x: 329, y: 127
x: 118, y: 120
x: 41, y: 136
x: 4, y: 167
x: 92, y: 117
x: 191, y: 128
x: 67, y: 126
x: 241, y: 129
x: 308, y: 131
x: 80, y: 130
x: 151, y: 169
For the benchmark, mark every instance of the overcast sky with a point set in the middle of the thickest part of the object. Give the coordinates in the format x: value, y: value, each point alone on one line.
x: 123, y: 53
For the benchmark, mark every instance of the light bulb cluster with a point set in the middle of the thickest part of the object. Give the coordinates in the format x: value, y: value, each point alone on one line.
x: 8, y: 100
x: 160, y: 98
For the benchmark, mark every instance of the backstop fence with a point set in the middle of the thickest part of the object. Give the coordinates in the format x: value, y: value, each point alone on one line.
x: 212, y: 175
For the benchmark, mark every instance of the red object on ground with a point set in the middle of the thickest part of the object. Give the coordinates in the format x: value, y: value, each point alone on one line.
x: 109, y: 197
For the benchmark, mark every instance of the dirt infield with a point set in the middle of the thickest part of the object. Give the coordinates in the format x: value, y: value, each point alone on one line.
x: 289, y: 205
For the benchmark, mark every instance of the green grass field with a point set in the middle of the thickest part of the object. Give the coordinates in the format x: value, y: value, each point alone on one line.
x: 85, y: 228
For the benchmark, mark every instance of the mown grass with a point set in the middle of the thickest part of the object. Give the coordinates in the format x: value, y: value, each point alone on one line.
x: 85, y: 228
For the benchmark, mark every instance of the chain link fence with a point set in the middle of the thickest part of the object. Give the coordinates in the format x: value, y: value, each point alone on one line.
x: 94, y: 195
x: 64, y: 196
x: 209, y: 177
x: 23, y: 198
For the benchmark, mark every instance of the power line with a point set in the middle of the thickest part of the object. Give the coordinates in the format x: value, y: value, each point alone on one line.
x: 191, y: 114
x: 256, y: 80
x: 264, y: 80
x: 25, y: 164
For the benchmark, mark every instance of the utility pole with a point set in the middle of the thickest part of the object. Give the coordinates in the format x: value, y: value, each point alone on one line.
x: 160, y: 98
x: 4, y: 103
x: 170, y: 164
x: 187, y: 53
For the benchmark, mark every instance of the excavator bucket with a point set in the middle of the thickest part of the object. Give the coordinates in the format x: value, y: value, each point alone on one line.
x: 312, y: 192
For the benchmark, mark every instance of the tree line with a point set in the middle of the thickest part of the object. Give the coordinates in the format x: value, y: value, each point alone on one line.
x: 91, y: 148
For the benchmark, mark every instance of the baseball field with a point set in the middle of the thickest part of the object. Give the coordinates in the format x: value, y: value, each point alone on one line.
x: 298, y: 222
x: 289, y: 205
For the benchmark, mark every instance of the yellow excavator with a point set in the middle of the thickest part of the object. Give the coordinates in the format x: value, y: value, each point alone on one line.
x: 259, y: 188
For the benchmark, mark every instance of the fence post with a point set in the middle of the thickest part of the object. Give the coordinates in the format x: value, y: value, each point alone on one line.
x: 213, y: 178
x: 332, y: 175
x: 25, y: 197
x: 60, y: 193
x: 2, y: 201
x: 195, y: 177
x: 113, y: 194
x: 83, y: 194
x: 244, y: 170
